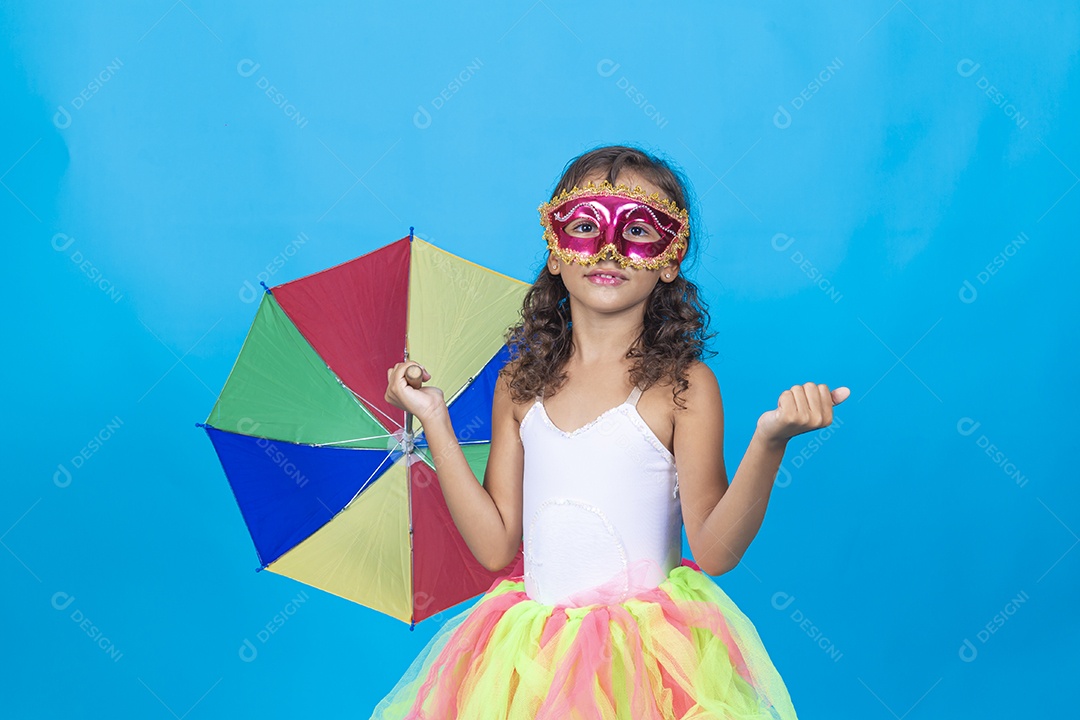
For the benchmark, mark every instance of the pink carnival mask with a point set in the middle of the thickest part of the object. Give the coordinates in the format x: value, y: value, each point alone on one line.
x: 585, y: 225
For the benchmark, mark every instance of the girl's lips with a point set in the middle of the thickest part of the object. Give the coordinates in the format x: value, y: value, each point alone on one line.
x: 604, y: 280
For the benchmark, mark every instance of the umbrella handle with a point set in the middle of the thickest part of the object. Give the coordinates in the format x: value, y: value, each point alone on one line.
x: 414, y: 375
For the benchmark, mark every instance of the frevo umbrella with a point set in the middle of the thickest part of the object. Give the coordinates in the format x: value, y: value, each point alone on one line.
x: 338, y: 491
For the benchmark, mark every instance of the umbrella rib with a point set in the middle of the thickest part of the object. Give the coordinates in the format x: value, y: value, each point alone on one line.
x: 365, y: 484
x: 368, y: 403
x: 342, y: 442
x: 378, y: 437
x: 353, y: 542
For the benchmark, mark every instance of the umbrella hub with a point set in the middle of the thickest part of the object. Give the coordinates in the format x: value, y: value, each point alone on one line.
x: 402, y: 441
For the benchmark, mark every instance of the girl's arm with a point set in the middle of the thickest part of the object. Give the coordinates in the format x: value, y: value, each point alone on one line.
x: 488, y: 516
x: 722, y: 521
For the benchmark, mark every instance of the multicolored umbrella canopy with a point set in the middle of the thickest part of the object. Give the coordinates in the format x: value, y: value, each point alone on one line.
x: 334, y: 491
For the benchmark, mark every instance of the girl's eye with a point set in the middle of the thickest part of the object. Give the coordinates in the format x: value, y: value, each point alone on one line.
x: 583, y: 226
x: 642, y: 232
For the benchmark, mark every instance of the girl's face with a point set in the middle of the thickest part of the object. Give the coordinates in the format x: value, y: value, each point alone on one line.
x: 605, y: 286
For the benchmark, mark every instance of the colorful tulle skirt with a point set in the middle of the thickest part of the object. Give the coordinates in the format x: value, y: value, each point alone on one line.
x: 682, y: 649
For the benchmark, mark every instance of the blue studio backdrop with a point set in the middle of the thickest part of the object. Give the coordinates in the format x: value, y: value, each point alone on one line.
x: 887, y: 200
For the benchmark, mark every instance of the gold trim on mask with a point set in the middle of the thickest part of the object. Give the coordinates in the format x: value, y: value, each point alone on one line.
x: 608, y: 251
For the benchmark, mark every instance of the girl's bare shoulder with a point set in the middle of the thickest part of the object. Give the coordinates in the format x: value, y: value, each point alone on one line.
x: 702, y: 391
x: 702, y: 395
x: 701, y: 375
x: 701, y: 382
x: 504, y: 399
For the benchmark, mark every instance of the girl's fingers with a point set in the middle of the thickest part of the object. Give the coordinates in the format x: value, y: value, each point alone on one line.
x: 799, y: 395
x: 825, y: 396
x: 395, y: 378
x: 786, y: 403
x: 807, y: 407
x: 814, y: 412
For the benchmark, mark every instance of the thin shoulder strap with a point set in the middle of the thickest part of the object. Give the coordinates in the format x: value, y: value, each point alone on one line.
x: 634, y: 395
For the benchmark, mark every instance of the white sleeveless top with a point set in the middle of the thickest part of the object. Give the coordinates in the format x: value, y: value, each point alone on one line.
x: 600, y: 507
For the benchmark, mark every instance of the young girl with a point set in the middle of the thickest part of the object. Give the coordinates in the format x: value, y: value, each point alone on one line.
x: 607, y: 439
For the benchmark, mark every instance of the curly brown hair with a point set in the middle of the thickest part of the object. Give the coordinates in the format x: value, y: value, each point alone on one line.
x: 673, y: 335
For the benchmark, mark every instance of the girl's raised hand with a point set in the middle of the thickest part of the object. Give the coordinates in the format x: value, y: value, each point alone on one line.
x: 421, y: 402
x: 801, y: 409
